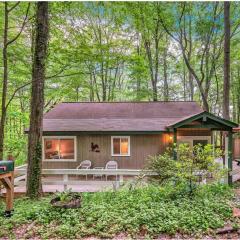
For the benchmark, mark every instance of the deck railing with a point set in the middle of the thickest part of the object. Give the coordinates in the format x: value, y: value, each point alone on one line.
x: 66, y: 177
x: 118, y: 176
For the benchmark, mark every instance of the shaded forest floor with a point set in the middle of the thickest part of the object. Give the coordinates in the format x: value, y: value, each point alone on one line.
x: 144, y: 213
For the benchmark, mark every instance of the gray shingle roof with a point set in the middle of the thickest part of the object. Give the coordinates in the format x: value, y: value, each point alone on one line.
x: 117, y: 116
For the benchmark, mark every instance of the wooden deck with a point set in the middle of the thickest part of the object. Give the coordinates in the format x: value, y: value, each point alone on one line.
x: 87, y: 186
x: 76, y: 179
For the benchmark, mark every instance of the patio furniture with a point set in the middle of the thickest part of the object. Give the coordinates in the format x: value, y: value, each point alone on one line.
x: 86, y: 164
x: 98, y: 175
x: 111, y: 165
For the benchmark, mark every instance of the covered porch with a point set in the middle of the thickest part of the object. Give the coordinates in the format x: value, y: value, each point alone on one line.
x: 206, y: 121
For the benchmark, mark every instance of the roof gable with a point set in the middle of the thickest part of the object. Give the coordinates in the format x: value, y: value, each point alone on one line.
x: 204, y: 116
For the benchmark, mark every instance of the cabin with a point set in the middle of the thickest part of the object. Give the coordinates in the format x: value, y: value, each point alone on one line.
x: 126, y: 132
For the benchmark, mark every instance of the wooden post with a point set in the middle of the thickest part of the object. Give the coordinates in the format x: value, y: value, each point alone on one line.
x: 65, y: 182
x: 230, y: 154
x: 10, y: 193
x: 174, y: 143
x: 121, y: 179
x: 7, y: 179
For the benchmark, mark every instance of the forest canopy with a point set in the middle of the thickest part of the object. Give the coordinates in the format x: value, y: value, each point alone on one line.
x: 119, y: 51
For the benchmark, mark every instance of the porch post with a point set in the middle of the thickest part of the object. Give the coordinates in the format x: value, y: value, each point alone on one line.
x: 230, y: 154
x: 174, y: 143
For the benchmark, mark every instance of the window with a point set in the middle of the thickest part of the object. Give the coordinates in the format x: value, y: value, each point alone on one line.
x: 120, y: 146
x: 201, y: 142
x: 194, y: 140
x: 59, y: 148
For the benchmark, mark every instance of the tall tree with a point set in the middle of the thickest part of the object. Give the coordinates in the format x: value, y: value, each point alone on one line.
x: 6, y: 43
x: 34, y: 186
x: 226, y: 83
x: 208, y: 42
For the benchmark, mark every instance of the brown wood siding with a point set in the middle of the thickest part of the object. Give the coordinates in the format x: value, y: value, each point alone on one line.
x: 59, y: 165
x: 141, y: 146
x: 193, y: 132
x: 236, y: 147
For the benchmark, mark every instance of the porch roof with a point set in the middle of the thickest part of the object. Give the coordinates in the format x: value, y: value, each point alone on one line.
x: 204, y: 120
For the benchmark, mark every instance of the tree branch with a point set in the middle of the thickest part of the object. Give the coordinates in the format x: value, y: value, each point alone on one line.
x: 22, y: 27
x: 14, y: 93
x: 66, y: 75
x: 14, y: 6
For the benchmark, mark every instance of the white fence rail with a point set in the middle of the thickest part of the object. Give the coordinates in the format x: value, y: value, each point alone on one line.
x: 21, y: 173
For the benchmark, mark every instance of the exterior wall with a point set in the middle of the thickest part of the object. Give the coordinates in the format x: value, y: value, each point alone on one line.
x: 236, y: 147
x: 193, y: 132
x: 141, y: 146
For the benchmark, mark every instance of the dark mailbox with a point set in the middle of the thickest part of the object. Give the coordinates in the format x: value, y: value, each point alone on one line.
x: 6, y: 166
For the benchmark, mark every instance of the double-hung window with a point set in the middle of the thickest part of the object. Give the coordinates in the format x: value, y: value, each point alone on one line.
x: 59, y: 148
x: 120, y: 145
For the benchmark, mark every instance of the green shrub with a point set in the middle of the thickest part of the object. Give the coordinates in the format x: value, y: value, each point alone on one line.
x: 191, y: 163
x: 164, y: 165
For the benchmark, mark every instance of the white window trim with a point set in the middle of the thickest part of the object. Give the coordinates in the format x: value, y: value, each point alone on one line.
x: 120, y: 155
x: 189, y: 139
x: 59, y: 160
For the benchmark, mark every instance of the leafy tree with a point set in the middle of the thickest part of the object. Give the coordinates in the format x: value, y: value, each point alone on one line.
x: 34, y: 187
x: 7, y: 42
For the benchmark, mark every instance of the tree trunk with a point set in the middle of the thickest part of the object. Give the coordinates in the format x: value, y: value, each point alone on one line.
x: 190, y: 76
x: 34, y: 187
x: 5, y: 80
x: 226, y: 83
x: 184, y: 83
x: 151, y: 70
x: 165, y: 91
x: 238, y: 95
x: 138, y: 76
x: 201, y: 89
x: 190, y: 79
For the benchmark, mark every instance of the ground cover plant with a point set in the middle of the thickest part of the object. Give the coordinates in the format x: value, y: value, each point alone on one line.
x: 147, y: 211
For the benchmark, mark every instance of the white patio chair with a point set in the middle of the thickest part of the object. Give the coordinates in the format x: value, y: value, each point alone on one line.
x: 86, y: 164
x: 111, y: 165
